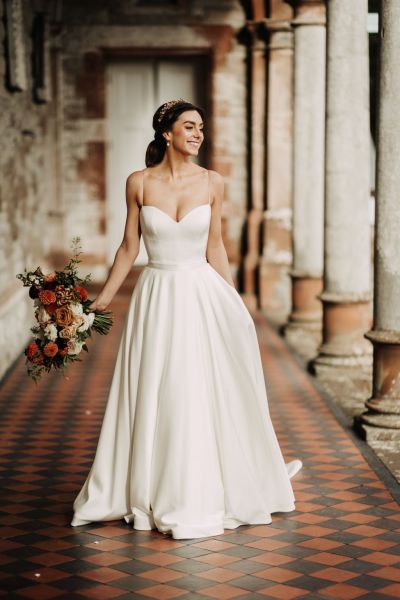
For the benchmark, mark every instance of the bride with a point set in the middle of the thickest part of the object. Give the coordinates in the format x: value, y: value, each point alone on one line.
x: 187, y: 445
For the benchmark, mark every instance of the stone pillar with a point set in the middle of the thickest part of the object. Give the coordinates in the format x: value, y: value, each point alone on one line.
x: 256, y: 116
x: 275, y: 284
x: 345, y: 354
x: 303, y: 330
x: 382, y: 418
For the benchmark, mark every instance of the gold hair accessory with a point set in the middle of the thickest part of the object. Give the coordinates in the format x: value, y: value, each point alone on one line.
x: 167, y: 106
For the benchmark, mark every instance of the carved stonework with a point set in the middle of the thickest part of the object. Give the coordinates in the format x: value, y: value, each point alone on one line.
x: 15, y: 44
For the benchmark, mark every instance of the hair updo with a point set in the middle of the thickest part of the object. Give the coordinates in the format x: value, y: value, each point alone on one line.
x: 163, y: 120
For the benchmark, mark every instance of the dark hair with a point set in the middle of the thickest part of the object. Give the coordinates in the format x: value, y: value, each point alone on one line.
x: 163, y: 120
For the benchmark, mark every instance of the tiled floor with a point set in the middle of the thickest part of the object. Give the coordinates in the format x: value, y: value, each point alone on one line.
x: 342, y: 542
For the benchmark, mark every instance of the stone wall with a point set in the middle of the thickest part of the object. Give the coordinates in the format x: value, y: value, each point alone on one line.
x: 27, y: 194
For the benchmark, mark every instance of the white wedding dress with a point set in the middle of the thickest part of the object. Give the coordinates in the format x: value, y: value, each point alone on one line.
x: 186, y: 445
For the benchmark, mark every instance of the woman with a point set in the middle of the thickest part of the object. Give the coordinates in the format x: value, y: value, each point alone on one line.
x: 186, y: 445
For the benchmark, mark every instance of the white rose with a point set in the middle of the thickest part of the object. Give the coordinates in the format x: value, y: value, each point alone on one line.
x: 76, y: 309
x: 50, y: 331
x: 91, y: 317
x: 42, y: 315
x: 86, y: 324
x: 74, y: 347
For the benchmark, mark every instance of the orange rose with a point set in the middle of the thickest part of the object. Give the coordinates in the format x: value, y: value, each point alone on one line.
x: 63, y: 316
x: 31, y: 350
x: 82, y: 292
x: 47, y: 297
x: 50, y: 349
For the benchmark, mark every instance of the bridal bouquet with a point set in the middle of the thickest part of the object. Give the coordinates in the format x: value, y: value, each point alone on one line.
x: 64, y: 318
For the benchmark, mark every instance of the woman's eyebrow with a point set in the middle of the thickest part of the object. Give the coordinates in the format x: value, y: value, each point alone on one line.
x: 192, y: 122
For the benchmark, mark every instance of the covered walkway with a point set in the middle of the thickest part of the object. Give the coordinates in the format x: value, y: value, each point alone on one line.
x: 342, y: 542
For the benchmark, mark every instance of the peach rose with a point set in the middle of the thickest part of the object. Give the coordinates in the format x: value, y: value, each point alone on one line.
x: 63, y: 316
x: 68, y: 332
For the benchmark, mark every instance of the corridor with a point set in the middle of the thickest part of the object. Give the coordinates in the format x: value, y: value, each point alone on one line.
x: 342, y: 542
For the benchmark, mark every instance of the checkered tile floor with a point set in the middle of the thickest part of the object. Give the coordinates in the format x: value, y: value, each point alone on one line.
x: 342, y: 542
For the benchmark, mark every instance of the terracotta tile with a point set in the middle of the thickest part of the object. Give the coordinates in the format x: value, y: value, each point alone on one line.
x: 217, y: 559
x: 273, y: 558
x: 343, y: 591
x: 215, y: 545
x: 366, y: 530
x: 40, y: 592
x: 392, y: 589
x: 320, y: 544
x: 103, y: 574
x: 284, y: 592
x: 327, y: 558
x: 382, y: 558
x: 159, y: 558
x: 334, y: 574
x: 315, y: 530
x: 222, y: 591
x: 161, y: 574
x: 102, y: 592
x: 107, y: 545
x: 277, y: 574
x: 267, y: 544
x: 105, y: 559
x: 390, y: 573
x: 219, y: 574
x: 374, y: 544
x: 162, y: 592
x: 358, y: 518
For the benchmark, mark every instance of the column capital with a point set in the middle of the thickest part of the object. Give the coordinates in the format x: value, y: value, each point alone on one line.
x: 308, y: 12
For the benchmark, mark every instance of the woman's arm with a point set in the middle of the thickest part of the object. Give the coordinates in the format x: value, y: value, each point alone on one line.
x: 216, y: 253
x: 129, y: 248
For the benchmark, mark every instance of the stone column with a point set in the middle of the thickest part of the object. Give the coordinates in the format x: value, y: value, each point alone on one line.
x: 256, y: 122
x: 275, y: 283
x: 303, y: 330
x: 345, y: 354
x: 382, y: 418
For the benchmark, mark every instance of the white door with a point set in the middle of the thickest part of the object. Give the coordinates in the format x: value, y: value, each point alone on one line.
x: 135, y: 89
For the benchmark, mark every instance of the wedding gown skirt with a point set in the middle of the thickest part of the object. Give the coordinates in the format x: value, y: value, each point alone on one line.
x: 187, y: 445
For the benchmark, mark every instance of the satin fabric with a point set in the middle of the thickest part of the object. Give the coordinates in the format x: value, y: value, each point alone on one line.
x: 187, y: 445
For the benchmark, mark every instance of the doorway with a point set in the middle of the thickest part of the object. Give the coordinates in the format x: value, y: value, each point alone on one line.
x: 135, y: 88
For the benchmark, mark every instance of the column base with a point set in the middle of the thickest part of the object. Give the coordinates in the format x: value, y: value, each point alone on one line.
x: 377, y: 428
x: 304, y: 329
x: 274, y: 280
x: 344, y: 361
x: 383, y: 407
x: 348, y: 380
x: 304, y: 337
x: 275, y: 293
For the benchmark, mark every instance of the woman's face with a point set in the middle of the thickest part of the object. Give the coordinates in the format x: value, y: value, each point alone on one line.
x: 186, y: 135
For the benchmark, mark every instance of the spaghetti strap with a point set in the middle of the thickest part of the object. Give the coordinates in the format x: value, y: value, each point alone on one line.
x: 142, y: 204
x: 209, y: 188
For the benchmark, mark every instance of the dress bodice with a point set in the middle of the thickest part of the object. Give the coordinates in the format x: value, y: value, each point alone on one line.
x: 173, y: 242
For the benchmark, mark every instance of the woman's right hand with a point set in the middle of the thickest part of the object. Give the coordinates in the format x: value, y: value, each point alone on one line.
x: 98, y: 305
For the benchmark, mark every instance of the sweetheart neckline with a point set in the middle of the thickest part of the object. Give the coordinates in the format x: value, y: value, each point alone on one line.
x: 169, y: 216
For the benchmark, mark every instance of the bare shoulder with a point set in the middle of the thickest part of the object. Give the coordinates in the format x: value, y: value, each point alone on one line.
x: 217, y: 183
x: 134, y: 179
